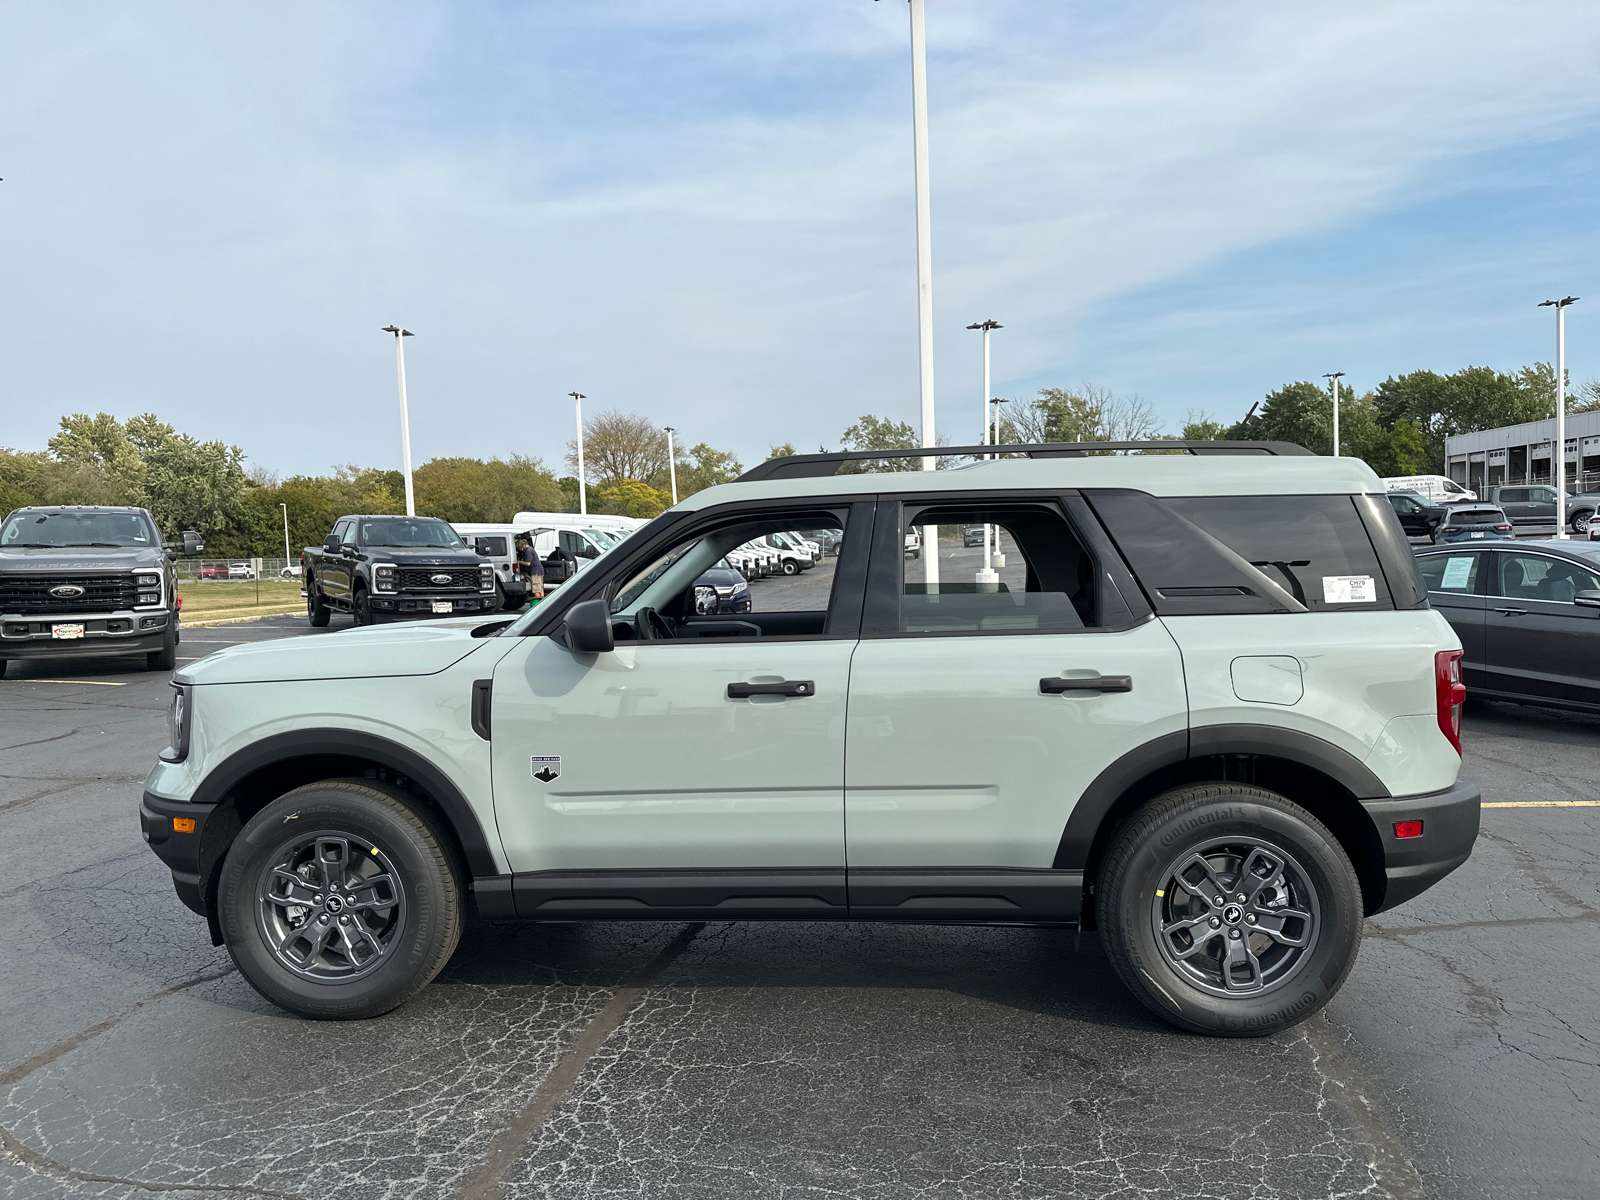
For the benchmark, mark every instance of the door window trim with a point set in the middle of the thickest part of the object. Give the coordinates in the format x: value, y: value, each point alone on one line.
x: 1493, y: 588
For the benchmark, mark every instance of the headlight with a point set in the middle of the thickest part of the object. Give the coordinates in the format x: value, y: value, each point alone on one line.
x: 179, y: 719
x: 486, y: 577
x: 384, y: 578
x: 149, y: 589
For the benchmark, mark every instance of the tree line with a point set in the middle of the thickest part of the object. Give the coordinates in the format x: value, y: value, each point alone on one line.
x: 1397, y: 427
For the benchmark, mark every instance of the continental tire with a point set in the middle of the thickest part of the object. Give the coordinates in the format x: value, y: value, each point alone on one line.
x: 1229, y: 910
x: 317, y: 610
x: 340, y: 900
x: 166, y: 658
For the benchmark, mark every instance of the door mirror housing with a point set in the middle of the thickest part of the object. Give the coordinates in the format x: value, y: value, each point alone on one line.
x: 588, y: 627
x: 1588, y: 598
x: 331, y: 544
x: 191, y: 545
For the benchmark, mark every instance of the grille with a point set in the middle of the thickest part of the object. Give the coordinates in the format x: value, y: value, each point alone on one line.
x: 420, y: 579
x: 101, y: 593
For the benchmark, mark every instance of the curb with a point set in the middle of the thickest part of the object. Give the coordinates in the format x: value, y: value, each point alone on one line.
x: 234, y: 620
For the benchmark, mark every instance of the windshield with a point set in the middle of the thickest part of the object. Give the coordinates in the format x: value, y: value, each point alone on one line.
x: 601, y: 538
x: 55, y: 529
x: 410, y: 531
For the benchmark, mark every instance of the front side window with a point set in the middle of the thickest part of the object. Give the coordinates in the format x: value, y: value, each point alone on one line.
x: 414, y: 532
x: 1045, y: 584
x: 1543, y: 495
x: 691, y: 589
x: 58, y: 529
x: 1315, y: 546
x: 1450, y: 573
x: 1535, y: 577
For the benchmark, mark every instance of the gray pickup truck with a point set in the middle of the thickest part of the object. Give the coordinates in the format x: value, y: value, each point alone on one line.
x: 390, y: 568
x: 1531, y: 505
x: 82, y: 581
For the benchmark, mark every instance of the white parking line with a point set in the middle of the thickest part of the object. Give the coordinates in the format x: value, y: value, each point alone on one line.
x: 1544, y: 804
x: 90, y: 682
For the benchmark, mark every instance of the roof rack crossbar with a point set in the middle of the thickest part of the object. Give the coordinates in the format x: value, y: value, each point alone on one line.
x: 809, y: 466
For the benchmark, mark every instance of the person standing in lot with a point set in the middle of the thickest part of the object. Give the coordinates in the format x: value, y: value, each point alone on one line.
x: 528, y: 565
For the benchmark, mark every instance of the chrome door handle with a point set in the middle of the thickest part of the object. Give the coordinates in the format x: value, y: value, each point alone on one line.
x: 789, y: 687
x: 1095, y: 683
x: 1512, y: 612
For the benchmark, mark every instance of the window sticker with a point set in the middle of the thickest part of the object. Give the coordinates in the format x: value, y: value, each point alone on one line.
x: 1456, y: 571
x: 1348, y: 589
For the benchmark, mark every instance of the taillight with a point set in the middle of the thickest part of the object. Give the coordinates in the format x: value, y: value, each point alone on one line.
x: 1451, y: 529
x: 1503, y: 528
x: 1451, y: 694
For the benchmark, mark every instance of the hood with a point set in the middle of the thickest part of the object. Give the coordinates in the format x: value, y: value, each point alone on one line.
x: 420, y: 648
x: 422, y: 558
x: 718, y: 577
x: 80, y: 558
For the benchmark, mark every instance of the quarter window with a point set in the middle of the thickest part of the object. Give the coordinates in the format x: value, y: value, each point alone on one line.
x: 1047, y: 582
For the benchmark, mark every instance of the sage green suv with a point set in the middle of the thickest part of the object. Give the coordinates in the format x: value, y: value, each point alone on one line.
x: 1201, y: 705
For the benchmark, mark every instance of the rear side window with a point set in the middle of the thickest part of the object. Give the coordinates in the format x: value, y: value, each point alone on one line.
x: 1450, y: 573
x: 1316, y: 547
x: 490, y: 547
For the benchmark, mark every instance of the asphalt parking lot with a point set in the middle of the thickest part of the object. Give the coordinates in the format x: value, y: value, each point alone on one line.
x: 748, y: 1060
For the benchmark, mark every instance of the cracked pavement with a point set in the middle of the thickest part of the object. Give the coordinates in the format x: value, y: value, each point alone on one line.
x: 782, y: 1060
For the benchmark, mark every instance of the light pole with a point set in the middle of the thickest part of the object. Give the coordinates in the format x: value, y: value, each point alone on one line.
x: 987, y: 574
x: 919, y: 141
x: 672, y: 466
x: 997, y: 402
x: 1335, y: 376
x: 583, y: 488
x: 1558, y: 452
x: 405, y: 422
x: 285, y: 508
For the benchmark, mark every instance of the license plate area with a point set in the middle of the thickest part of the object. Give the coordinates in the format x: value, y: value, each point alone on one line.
x: 66, y: 632
x: 444, y: 606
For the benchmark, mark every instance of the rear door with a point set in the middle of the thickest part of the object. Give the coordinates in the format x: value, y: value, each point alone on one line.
x: 1455, y: 583
x: 1537, y: 642
x: 979, y: 712
x: 1514, y: 503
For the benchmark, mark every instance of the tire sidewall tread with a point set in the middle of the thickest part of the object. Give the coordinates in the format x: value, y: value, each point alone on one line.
x: 1148, y: 843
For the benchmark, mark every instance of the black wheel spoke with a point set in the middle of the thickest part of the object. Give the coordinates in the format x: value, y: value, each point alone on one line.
x: 1273, y: 925
x: 1241, y: 969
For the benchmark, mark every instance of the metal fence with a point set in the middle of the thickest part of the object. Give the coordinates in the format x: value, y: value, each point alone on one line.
x: 207, y: 570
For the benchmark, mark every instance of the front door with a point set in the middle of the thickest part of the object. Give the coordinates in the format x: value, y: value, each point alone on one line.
x: 1537, y: 642
x: 702, y: 746
x: 980, y: 711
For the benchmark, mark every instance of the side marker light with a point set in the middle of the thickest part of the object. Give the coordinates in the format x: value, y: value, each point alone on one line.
x: 182, y: 824
x: 1407, y: 829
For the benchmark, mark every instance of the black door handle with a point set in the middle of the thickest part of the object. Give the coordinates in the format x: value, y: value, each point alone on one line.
x: 1095, y: 683
x: 789, y: 687
x: 1512, y: 612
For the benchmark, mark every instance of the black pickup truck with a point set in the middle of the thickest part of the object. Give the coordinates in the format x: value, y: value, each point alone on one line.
x: 81, y: 581
x: 388, y: 568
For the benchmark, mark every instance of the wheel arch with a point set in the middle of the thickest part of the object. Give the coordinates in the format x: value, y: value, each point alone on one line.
x: 247, y: 781
x: 1314, y: 773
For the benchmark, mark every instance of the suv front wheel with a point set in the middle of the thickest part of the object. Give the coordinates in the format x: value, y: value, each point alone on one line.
x: 340, y: 900
x: 1229, y: 910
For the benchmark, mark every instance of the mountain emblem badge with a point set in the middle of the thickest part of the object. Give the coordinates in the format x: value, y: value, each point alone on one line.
x: 546, y: 767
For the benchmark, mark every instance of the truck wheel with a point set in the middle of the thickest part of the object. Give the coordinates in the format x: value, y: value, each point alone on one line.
x: 165, y: 658
x: 361, y: 608
x: 790, y: 567
x: 4, y: 662
x: 1229, y: 910
x: 1580, y: 522
x: 317, y: 610
x: 340, y: 900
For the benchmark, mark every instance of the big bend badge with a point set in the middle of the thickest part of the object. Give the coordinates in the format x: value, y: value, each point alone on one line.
x: 546, y: 767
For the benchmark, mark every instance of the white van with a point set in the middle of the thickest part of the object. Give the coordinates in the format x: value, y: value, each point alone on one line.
x: 1439, y: 488
x: 498, y: 543
x: 554, y: 520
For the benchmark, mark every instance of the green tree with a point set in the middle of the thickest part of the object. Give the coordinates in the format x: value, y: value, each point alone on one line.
x: 635, y: 498
x: 1200, y: 427
x: 707, y: 467
x: 880, y: 433
x: 100, y: 442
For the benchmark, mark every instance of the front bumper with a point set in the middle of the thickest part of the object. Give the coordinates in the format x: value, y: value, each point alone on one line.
x: 1449, y: 828
x: 420, y: 608
x: 178, y: 848
x: 30, y: 635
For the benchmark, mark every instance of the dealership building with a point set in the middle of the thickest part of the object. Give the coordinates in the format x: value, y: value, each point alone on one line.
x: 1521, y: 454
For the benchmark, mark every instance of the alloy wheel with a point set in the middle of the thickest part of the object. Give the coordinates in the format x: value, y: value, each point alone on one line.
x: 1236, y: 917
x: 330, y: 906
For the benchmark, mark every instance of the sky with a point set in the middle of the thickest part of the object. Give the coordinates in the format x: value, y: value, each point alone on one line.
x: 702, y: 211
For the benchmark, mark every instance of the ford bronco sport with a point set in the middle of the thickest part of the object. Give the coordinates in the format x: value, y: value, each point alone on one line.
x: 1205, y: 710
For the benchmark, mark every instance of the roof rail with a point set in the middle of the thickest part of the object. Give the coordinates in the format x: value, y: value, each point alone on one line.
x: 810, y: 466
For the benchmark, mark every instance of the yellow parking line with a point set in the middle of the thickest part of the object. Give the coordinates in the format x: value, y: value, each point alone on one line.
x: 1544, y: 804
x: 90, y: 682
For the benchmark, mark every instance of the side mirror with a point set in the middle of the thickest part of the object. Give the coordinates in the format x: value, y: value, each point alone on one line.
x: 1589, y: 598
x: 192, y: 545
x: 331, y: 544
x: 589, y: 628
x: 705, y: 601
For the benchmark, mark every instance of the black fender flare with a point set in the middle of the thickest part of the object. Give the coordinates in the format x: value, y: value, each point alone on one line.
x: 345, y: 743
x: 1205, y: 741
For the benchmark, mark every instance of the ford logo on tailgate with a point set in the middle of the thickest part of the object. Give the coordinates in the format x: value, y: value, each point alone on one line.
x: 67, y: 591
x: 439, y: 578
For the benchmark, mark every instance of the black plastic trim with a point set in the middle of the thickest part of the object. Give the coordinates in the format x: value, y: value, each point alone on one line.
x: 179, y: 851
x: 1306, y: 749
x: 798, y: 894
x: 984, y: 895
x: 1449, y: 828
x: 814, y: 466
x: 482, y: 707
x: 344, y: 743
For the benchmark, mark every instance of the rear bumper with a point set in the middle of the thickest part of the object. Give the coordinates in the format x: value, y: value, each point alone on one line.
x: 179, y: 850
x: 1449, y: 828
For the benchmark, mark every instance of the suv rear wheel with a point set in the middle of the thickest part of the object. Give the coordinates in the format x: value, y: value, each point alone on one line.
x: 340, y: 900
x: 1230, y: 910
x: 1580, y: 522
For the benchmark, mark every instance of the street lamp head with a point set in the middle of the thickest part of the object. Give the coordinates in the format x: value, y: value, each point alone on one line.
x: 1558, y: 303
x: 1333, y: 375
x: 397, y: 331
x: 577, y: 395
x: 669, y: 429
x: 989, y: 324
